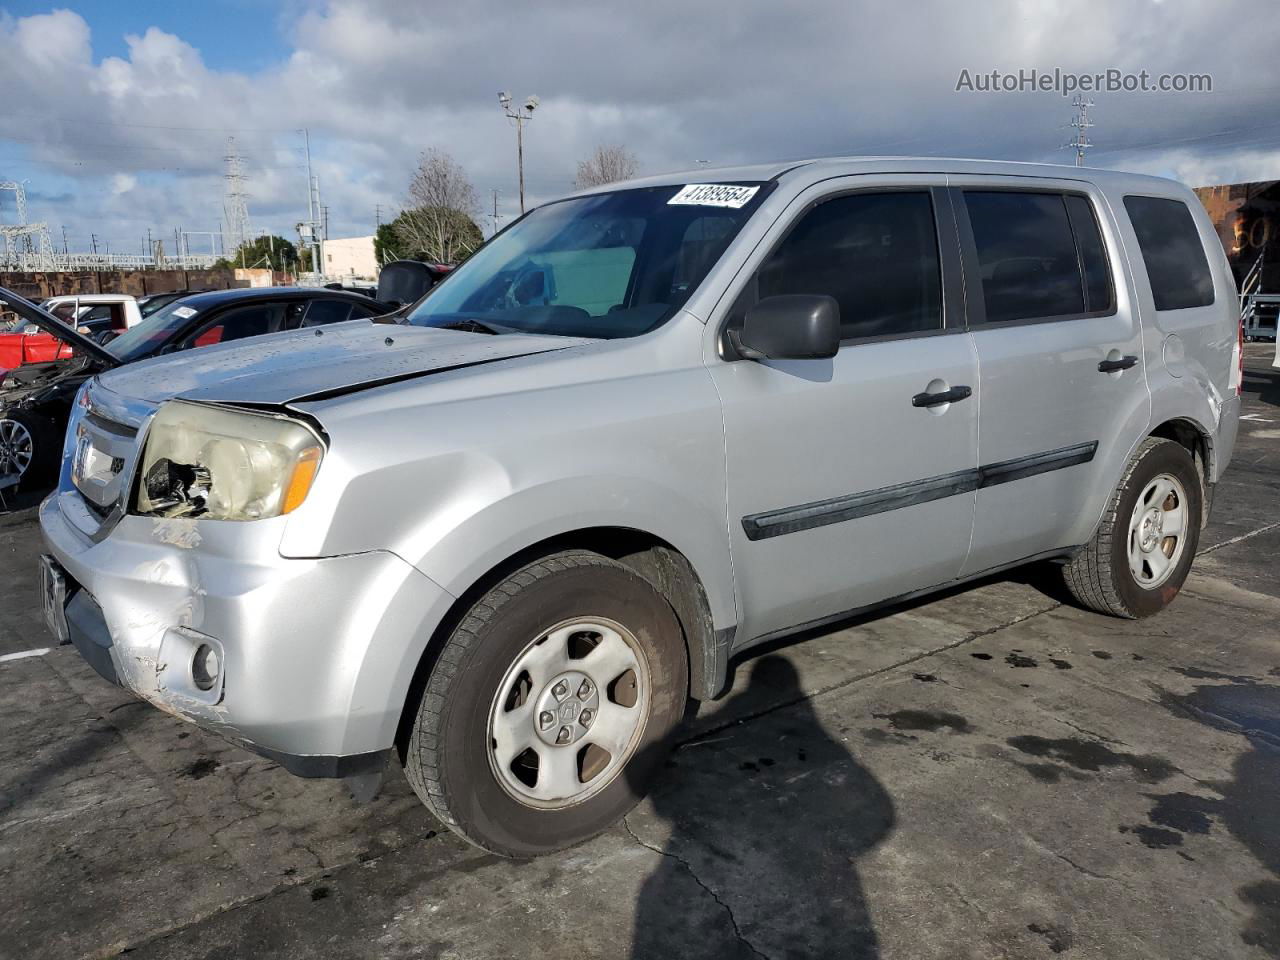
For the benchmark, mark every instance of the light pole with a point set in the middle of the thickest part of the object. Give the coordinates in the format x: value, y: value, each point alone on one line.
x: 521, y: 116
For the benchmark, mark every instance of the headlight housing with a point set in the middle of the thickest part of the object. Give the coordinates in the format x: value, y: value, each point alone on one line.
x: 220, y: 464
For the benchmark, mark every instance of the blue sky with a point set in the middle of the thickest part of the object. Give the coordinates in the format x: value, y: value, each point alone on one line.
x: 242, y: 35
x: 118, y: 113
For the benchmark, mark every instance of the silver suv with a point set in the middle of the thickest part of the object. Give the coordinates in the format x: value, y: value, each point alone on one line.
x: 644, y: 429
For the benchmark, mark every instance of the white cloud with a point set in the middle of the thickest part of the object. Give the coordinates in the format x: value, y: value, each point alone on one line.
x: 378, y: 81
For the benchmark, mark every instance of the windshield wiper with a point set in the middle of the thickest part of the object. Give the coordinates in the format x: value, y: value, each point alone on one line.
x: 469, y: 326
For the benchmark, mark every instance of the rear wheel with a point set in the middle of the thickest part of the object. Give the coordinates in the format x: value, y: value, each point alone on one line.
x: 548, y: 709
x: 1142, y: 551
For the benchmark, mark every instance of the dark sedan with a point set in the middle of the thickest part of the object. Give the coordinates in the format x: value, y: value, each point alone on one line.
x: 35, y: 402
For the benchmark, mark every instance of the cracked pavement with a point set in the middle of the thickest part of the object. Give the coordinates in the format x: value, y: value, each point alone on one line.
x: 985, y: 773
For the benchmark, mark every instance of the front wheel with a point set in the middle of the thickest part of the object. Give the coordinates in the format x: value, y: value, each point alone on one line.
x: 1141, y: 553
x: 547, y: 710
x: 28, y: 449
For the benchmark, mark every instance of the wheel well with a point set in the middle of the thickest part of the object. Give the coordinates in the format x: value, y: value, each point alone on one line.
x: 1190, y: 436
x: 652, y: 558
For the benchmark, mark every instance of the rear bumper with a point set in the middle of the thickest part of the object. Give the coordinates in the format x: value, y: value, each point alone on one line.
x: 315, y: 657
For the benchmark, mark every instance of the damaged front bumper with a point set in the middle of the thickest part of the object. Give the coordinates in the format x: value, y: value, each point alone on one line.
x: 307, y: 661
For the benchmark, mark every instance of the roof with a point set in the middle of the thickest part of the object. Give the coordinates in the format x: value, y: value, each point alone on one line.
x: 819, y: 168
x: 212, y: 298
x: 92, y: 298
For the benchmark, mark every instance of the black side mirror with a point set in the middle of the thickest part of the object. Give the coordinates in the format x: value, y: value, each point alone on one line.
x: 797, y: 326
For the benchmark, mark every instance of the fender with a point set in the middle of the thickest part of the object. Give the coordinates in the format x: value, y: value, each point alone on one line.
x: 526, y: 517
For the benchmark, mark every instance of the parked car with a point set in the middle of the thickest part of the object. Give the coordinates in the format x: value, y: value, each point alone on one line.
x: 97, y: 312
x: 23, y: 343
x: 641, y: 431
x: 403, y: 282
x: 36, y: 401
x: 154, y: 301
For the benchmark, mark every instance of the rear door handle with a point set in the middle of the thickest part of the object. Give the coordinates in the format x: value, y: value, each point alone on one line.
x: 937, y: 399
x: 1111, y: 366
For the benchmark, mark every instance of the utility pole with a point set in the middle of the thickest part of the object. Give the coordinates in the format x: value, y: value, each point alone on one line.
x: 377, y: 217
x: 313, y: 207
x: 1080, y: 143
x: 521, y: 116
x: 496, y: 216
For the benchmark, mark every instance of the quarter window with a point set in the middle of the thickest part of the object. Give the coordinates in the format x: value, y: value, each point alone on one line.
x: 875, y: 253
x: 1172, y: 251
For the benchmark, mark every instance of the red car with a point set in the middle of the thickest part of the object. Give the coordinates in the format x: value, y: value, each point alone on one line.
x: 20, y: 346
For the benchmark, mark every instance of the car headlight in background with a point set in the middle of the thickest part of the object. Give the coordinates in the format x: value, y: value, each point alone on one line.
x: 205, y: 461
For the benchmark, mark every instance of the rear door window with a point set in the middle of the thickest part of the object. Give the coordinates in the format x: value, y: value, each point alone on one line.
x: 875, y: 253
x: 1172, y: 251
x: 1026, y: 255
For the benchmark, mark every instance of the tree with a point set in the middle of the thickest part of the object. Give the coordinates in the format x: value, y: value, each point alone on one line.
x: 608, y: 164
x: 275, y: 253
x: 386, y: 247
x: 438, y: 223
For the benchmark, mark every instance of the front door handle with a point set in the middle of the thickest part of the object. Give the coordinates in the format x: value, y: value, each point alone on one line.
x: 1111, y: 366
x: 937, y: 399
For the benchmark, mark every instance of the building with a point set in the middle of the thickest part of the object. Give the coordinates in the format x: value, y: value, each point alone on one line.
x: 350, y: 258
x: 1247, y: 218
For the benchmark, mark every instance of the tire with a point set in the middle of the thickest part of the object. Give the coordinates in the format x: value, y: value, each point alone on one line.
x: 29, y: 448
x: 1101, y: 576
x: 454, y: 757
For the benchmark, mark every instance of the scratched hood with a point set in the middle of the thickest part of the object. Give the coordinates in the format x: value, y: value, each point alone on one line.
x: 318, y: 362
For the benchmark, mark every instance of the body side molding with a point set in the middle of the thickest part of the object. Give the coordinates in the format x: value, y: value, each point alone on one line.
x: 806, y: 516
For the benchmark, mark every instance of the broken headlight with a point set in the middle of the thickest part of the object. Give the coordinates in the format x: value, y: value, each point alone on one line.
x: 204, y: 461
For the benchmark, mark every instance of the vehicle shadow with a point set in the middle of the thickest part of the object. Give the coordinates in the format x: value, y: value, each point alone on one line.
x: 766, y: 825
x: 1265, y: 384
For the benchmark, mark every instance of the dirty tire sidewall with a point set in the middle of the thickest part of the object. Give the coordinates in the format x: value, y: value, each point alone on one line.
x: 1168, y: 458
x: 496, y: 631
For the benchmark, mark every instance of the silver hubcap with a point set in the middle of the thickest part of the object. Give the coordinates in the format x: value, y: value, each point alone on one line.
x: 569, y: 713
x: 16, y: 448
x: 1157, y: 531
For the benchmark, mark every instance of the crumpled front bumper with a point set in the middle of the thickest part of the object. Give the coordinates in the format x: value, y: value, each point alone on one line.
x: 316, y: 655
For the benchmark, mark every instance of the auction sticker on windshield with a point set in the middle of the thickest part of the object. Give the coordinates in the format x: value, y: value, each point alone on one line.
x: 714, y: 195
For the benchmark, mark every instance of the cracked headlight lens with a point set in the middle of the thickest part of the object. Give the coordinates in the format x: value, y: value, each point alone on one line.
x: 205, y: 461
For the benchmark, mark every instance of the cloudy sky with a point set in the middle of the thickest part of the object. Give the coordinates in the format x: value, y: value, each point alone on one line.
x: 117, y: 114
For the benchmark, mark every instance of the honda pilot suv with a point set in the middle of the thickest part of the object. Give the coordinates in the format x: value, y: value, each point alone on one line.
x: 646, y: 428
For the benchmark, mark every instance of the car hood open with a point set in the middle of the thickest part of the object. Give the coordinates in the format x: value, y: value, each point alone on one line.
x: 318, y: 363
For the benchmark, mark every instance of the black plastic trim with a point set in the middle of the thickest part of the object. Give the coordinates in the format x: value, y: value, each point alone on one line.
x: 315, y: 766
x: 1020, y: 467
x: 820, y: 513
x: 775, y: 523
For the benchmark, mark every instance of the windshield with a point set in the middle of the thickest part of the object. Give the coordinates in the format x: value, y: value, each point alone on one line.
x: 151, y: 333
x: 608, y: 265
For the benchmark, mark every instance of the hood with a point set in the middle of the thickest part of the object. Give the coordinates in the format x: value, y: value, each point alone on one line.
x: 318, y: 363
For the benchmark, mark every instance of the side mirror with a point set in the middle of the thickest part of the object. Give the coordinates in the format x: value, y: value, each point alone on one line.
x: 798, y: 326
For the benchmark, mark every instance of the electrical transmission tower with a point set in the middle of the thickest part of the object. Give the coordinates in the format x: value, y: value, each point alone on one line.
x: 1080, y: 142
x: 237, y: 201
x: 26, y: 246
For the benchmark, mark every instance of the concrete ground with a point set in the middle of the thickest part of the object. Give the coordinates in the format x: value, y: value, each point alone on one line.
x: 990, y: 773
